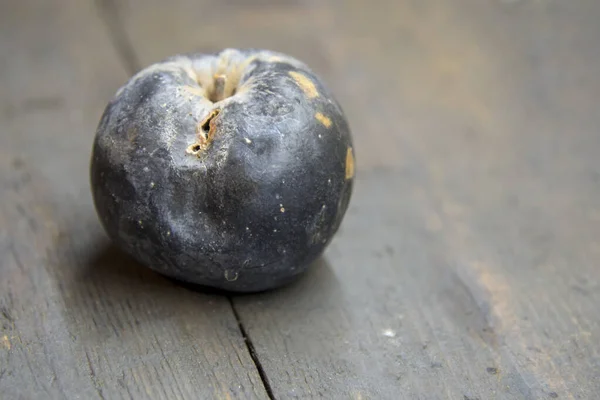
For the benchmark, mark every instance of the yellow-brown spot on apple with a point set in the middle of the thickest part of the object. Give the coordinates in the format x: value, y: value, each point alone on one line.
x: 349, y: 163
x: 305, y: 84
x: 324, y: 119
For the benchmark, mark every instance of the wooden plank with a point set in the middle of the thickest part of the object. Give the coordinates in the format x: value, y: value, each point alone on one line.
x: 471, y: 271
x: 466, y: 267
x: 78, y: 319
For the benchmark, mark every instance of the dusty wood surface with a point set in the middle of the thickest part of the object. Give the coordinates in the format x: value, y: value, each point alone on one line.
x: 467, y: 267
x: 79, y: 319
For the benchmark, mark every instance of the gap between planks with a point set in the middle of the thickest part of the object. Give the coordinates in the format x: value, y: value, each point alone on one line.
x: 122, y: 44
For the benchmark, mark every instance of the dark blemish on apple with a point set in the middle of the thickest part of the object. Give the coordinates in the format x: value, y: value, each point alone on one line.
x: 196, y: 200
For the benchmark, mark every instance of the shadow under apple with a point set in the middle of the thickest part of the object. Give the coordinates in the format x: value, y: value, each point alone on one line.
x: 112, y: 294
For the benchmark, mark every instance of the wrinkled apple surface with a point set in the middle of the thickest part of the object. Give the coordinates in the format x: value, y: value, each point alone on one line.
x: 231, y: 170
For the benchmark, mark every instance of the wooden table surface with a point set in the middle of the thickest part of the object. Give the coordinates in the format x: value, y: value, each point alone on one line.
x: 468, y: 265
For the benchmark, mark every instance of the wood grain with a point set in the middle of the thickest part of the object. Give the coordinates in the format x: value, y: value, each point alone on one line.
x: 79, y: 319
x: 467, y: 266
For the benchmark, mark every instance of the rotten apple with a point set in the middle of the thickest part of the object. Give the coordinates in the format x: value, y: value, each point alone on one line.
x: 231, y: 170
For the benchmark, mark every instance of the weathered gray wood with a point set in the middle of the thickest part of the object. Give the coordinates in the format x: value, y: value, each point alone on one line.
x: 77, y: 318
x: 467, y: 266
x: 429, y: 298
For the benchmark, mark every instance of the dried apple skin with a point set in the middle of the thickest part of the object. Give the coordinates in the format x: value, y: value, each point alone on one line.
x: 237, y: 184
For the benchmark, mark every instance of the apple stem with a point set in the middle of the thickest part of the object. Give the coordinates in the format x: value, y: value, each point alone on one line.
x: 219, y: 88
